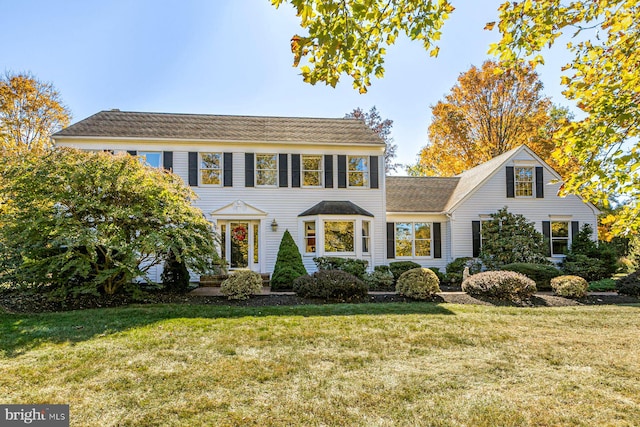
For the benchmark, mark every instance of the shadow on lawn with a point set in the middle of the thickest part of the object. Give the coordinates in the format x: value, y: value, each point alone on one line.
x: 22, y: 332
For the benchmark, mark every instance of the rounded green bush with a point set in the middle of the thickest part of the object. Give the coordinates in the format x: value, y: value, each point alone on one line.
x: 500, y: 284
x: 539, y: 273
x: 379, y: 280
x: 570, y: 286
x: 629, y: 285
x: 399, y: 267
x: 418, y: 283
x: 241, y: 284
x: 335, y: 285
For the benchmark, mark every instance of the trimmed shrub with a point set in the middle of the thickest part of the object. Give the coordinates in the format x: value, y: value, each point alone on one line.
x: 175, y: 276
x: 441, y: 276
x: 569, y: 286
x: 629, y: 285
x: 603, y: 285
x: 330, y: 285
x: 357, y: 267
x: 500, y: 284
x: 541, y: 274
x: 399, y: 267
x: 289, y: 264
x: 241, y: 284
x: 380, y: 280
x: 455, y: 268
x: 588, y: 259
x: 418, y: 283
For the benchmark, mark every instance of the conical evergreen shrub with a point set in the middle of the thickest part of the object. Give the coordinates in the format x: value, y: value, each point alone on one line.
x: 289, y: 264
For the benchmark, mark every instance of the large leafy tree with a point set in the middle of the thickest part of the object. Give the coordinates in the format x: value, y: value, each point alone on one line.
x: 382, y: 127
x: 92, y: 222
x: 486, y: 114
x: 602, y: 76
x: 30, y: 111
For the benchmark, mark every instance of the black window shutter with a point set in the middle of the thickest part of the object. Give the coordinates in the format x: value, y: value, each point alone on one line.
x: 283, y: 170
x: 248, y: 170
x: 539, y: 182
x: 437, y: 240
x: 575, y: 229
x: 475, y: 233
x: 511, y: 190
x: 546, y: 231
x: 132, y: 152
x: 227, y: 164
x: 342, y: 171
x: 193, y: 169
x: 167, y: 160
x: 328, y: 171
x: 374, y: 171
x: 391, y: 240
x: 295, y: 170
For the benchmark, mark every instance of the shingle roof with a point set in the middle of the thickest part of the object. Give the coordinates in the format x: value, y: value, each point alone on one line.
x: 472, y: 178
x: 419, y: 194
x: 125, y: 124
x: 336, y: 208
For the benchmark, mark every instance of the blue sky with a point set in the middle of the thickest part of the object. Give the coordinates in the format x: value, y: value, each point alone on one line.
x: 230, y: 57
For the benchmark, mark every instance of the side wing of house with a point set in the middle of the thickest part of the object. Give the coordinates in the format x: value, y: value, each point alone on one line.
x: 526, y: 185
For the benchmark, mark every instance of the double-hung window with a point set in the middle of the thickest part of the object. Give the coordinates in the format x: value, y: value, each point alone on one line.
x: 211, y: 168
x: 310, y: 237
x: 151, y: 158
x: 413, y: 239
x: 523, y: 181
x: 266, y: 170
x: 311, y: 171
x: 366, y: 236
x: 358, y: 171
x: 559, y: 237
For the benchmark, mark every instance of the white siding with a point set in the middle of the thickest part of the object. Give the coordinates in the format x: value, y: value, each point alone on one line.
x: 491, y: 196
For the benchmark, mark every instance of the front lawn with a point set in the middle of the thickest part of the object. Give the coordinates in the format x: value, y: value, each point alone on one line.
x: 363, y: 364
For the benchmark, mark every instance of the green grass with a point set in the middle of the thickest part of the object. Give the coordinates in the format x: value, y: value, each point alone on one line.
x: 363, y: 364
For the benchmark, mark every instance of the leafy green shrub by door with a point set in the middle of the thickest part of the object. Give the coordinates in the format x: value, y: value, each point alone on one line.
x: 289, y: 264
x: 241, y: 284
x: 418, y: 283
x: 500, y: 284
x: 330, y: 285
x: 569, y: 286
x: 399, y: 267
x: 541, y: 274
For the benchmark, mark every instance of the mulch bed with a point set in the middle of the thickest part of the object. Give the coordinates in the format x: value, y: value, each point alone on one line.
x: 21, y: 302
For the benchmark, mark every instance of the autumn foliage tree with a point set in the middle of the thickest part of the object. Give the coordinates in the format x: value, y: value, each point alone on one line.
x: 382, y: 127
x: 30, y: 111
x: 487, y: 114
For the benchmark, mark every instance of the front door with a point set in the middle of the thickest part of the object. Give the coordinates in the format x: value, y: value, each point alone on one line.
x: 241, y: 244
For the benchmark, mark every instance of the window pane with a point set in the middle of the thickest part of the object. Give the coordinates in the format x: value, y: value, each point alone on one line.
x: 560, y: 229
x: 210, y: 160
x: 339, y: 236
x: 524, y: 181
x: 266, y: 161
x: 423, y: 230
x: 423, y: 247
x: 358, y: 171
x: 365, y: 236
x: 311, y: 163
x: 404, y: 237
x: 256, y: 245
x: 311, y: 179
x: 559, y: 246
x: 310, y: 237
x: 266, y: 169
x: 208, y: 176
x: 266, y: 177
x: 153, y: 159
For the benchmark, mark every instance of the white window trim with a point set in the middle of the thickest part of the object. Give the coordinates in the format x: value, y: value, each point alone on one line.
x: 568, y: 238
x: 320, y: 171
x: 367, y: 173
x: 255, y: 169
x: 413, y: 239
x: 200, y: 169
x: 304, y: 237
x: 368, y: 237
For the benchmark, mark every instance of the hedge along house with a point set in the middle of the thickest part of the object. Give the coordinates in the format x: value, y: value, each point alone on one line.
x: 433, y: 220
x: 322, y: 179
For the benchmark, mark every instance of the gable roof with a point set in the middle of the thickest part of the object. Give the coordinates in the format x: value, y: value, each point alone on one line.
x: 126, y: 124
x: 419, y: 194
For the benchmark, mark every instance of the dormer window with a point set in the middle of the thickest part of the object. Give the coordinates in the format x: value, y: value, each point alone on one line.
x: 524, y: 181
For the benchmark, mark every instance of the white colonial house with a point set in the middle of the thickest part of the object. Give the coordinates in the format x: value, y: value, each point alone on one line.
x: 323, y: 180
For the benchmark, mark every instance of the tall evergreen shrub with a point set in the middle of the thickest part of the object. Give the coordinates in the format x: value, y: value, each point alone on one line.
x: 289, y: 264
